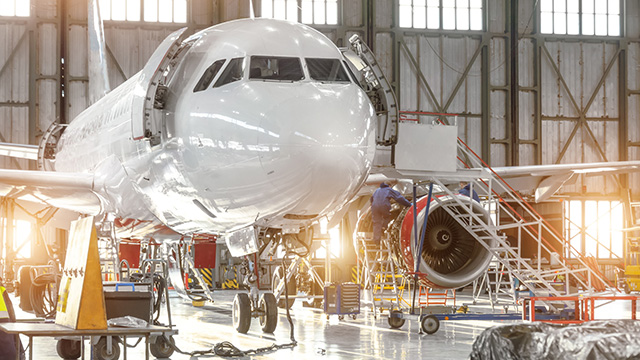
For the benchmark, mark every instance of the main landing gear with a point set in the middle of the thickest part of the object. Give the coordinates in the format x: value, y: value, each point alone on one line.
x: 262, y: 306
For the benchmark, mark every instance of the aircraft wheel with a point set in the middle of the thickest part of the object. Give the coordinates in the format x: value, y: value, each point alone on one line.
x: 68, y: 349
x: 162, y: 348
x: 430, y: 324
x: 395, y: 321
x: 278, y: 274
x: 241, y: 313
x: 626, y: 288
x: 268, y: 305
x: 100, y: 351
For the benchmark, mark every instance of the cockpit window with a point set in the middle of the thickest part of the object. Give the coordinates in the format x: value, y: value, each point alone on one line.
x: 275, y: 68
x: 355, y: 78
x: 208, y: 76
x: 233, y: 72
x: 326, y: 70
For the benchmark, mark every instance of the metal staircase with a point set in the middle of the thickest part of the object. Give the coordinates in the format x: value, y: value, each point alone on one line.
x: 500, y: 285
x: 380, y: 280
x: 536, y: 275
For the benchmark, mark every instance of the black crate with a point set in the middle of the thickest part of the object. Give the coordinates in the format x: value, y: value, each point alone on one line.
x: 128, y: 303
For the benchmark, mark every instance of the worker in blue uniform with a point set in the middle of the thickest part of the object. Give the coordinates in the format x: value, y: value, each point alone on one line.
x: 465, y: 189
x: 381, y: 208
x: 7, y: 314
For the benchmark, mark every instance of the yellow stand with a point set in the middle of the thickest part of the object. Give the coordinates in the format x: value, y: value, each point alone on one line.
x: 80, y: 298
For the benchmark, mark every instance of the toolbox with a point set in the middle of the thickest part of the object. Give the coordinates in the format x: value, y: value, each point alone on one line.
x: 342, y: 299
x: 128, y: 299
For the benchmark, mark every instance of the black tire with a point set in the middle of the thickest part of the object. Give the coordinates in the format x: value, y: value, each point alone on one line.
x: 430, y: 324
x: 395, y: 321
x: 162, y: 348
x: 626, y: 288
x: 24, y: 288
x: 268, y: 304
x: 291, y: 287
x: 68, y: 349
x: 100, y: 350
x: 241, y: 313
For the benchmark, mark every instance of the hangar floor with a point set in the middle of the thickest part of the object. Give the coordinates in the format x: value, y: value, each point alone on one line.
x: 363, y: 338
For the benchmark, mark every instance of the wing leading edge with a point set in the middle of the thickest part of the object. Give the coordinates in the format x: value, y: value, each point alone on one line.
x: 70, y: 191
x: 547, y: 179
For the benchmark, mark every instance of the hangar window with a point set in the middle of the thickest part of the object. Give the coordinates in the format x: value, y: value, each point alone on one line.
x: 275, y: 68
x: 165, y: 11
x: 233, y: 72
x: 154, y: 10
x: 316, y: 12
x: 594, y: 227
x: 326, y: 70
x: 14, y: 8
x: 208, y: 76
x: 120, y: 10
x: 580, y: 17
x: 441, y: 14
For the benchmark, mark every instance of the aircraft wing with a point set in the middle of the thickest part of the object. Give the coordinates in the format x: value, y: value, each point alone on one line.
x: 29, y: 152
x: 63, y: 190
x: 547, y: 179
x: 542, y: 180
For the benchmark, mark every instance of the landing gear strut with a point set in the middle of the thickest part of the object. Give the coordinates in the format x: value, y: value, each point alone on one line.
x: 262, y: 306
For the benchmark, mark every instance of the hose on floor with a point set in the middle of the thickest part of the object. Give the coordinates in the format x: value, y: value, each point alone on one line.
x: 182, y: 247
x: 227, y: 349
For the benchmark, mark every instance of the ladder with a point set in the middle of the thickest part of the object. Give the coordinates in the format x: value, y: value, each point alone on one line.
x: 536, y: 276
x: 108, y: 252
x: 501, y: 287
x: 429, y: 297
x: 380, y: 280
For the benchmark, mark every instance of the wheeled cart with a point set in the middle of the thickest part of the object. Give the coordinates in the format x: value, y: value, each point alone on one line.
x: 430, y: 317
x: 124, y: 299
x: 342, y: 299
x: 31, y: 330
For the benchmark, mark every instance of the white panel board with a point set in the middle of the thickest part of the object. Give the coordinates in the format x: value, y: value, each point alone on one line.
x: 423, y: 147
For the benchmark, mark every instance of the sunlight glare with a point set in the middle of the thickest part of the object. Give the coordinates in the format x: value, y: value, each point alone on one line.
x: 180, y: 11
x: 165, y: 13
x: 318, y: 12
x: 151, y: 10
x: 118, y: 10
x: 133, y: 10
x: 7, y: 7
x: 23, y: 7
x: 307, y: 11
x: 22, y: 231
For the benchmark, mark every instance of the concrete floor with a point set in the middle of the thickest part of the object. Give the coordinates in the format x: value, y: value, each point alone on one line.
x: 318, y: 338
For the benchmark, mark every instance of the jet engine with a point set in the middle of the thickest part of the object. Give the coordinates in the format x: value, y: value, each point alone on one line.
x: 451, y: 256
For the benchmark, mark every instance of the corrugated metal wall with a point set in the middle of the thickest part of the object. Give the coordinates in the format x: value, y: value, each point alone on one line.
x: 571, y: 105
x: 129, y: 45
x: 468, y: 73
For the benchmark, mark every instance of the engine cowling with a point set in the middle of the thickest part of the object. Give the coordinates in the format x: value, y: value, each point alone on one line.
x: 451, y: 256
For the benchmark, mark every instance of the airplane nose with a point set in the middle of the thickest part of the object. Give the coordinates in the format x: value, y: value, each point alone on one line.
x: 327, y: 153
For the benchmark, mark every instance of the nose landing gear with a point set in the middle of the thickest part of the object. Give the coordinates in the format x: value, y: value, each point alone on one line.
x: 262, y: 306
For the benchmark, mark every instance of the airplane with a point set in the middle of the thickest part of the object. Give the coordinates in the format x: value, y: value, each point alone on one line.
x: 252, y: 123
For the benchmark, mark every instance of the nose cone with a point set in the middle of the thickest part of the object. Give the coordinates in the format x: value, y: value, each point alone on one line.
x: 322, y: 147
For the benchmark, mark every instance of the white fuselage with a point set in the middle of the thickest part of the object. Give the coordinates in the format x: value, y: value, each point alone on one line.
x: 250, y: 152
